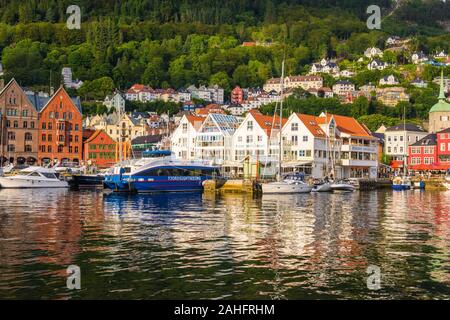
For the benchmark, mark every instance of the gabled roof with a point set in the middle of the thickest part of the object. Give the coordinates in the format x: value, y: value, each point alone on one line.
x: 35, y: 100
x: 428, y: 140
x: 76, y: 101
x: 445, y: 130
x: 406, y: 127
x: 95, y: 135
x: 312, y: 125
x: 147, y: 139
x: 265, y: 122
x: 347, y: 125
x: 194, y: 119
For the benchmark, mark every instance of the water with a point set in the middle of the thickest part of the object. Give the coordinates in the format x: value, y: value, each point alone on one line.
x: 180, y: 246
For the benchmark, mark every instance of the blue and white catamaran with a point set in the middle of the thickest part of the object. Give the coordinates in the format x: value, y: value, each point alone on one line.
x: 159, y: 171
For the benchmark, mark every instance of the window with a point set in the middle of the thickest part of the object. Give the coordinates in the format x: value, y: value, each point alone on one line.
x: 240, y: 139
x: 305, y: 138
x: 44, y: 125
x: 70, y: 149
x: 50, y: 127
x: 43, y: 138
x: 294, y: 126
x: 28, y: 136
x: 57, y: 115
x: 27, y: 148
x: 401, y: 138
x: 76, y: 127
x: 60, y: 149
x: 11, y: 148
x: 52, y: 115
x: 249, y: 139
x: 42, y: 148
x: 442, y: 146
x: 185, y: 127
x: 70, y: 115
x: 49, y: 148
x: 25, y: 124
x: 249, y: 125
x: 50, y: 138
x: 76, y: 138
x: 76, y: 149
x: 70, y: 138
x: 8, y: 123
x: 260, y: 138
x: 16, y: 124
x: 24, y: 113
x: 294, y: 140
x: 11, y: 136
x: 32, y: 124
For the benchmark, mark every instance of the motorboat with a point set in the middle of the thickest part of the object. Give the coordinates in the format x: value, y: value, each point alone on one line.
x: 33, y: 177
x: 401, y: 183
x: 342, y: 185
x: 322, y: 187
x: 160, y: 172
x: 286, y: 186
x: 86, y: 180
x: 6, y: 169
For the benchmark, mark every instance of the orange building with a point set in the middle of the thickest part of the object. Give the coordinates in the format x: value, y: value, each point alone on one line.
x: 100, y: 150
x: 60, y: 129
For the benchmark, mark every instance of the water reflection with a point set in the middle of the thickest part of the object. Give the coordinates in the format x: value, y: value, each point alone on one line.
x: 232, y: 246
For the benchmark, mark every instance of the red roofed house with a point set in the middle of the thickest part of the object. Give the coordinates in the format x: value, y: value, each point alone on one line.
x: 210, y: 108
x: 100, y: 150
x: 183, y: 137
x: 358, y: 156
x: 256, y: 139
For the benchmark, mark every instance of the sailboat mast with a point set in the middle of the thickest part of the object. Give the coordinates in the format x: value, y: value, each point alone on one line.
x: 120, y: 133
x: 404, y: 141
x: 280, y: 140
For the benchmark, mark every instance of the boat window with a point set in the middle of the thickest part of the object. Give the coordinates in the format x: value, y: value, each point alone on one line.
x: 34, y: 174
x: 49, y: 175
x: 127, y: 169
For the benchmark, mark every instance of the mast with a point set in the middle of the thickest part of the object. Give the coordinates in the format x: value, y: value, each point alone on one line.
x: 280, y: 140
x: 405, y: 164
x: 120, y: 133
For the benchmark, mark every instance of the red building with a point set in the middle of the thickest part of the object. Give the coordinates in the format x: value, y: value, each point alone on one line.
x: 443, y: 147
x: 100, y: 150
x: 60, y: 129
x: 431, y: 152
x: 237, y: 95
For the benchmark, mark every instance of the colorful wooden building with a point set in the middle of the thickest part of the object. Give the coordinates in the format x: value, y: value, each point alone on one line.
x: 60, y: 129
x: 100, y: 150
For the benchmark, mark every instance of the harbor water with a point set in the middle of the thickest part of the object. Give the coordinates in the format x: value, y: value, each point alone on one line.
x: 203, y: 246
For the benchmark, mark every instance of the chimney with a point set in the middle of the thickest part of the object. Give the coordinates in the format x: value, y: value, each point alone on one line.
x: 2, y: 84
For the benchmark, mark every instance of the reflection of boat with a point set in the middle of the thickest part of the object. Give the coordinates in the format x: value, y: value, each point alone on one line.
x: 33, y: 177
x: 342, y: 185
x: 159, y: 172
x: 86, y: 180
x: 401, y: 183
x: 447, y: 182
x: 419, y: 185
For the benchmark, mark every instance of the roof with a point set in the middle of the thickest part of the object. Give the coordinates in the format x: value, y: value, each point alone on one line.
x: 194, y: 119
x: 347, y: 125
x: 265, y: 122
x: 95, y: 135
x: 445, y: 131
x: 406, y: 127
x: 312, y: 125
x: 428, y: 140
x: 147, y: 139
x: 442, y: 105
x: 76, y: 101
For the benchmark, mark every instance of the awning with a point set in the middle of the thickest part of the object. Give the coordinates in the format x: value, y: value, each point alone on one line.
x: 293, y: 164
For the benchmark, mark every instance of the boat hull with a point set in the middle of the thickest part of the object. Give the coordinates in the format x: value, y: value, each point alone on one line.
x: 400, y: 187
x: 342, y: 187
x: 285, y: 188
x: 86, y: 181
x: 19, y: 182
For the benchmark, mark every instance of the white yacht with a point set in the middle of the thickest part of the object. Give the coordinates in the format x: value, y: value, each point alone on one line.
x: 322, y: 187
x: 33, y: 177
x: 342, y: 185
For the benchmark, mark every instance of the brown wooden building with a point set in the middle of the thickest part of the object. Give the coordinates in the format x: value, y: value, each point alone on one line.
x: 18, y: 125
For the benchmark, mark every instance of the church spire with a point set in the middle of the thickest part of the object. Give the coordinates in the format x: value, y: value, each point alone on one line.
x: 441, y: 89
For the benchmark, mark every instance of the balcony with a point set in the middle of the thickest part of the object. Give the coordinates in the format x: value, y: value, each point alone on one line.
x: 358, y: 163
x: 358, y: 148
